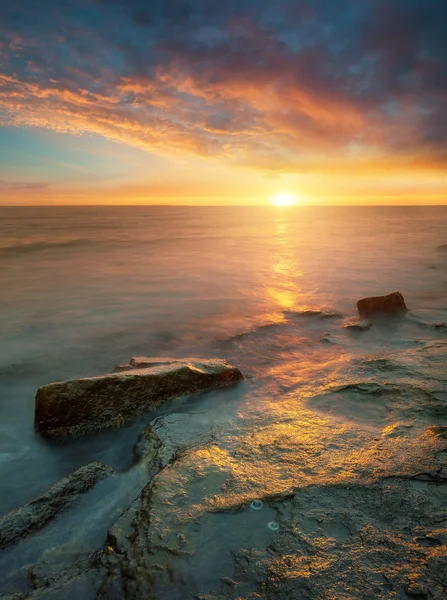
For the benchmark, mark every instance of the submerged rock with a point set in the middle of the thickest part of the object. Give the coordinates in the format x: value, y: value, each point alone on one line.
x: 326, y: 338
x: 393, y: 304
x: 426, y: 317
x: 330, y: 315
x: 61, y: 496
x: 80, y: 406
x: 313, y: 312
x: 357, y: 324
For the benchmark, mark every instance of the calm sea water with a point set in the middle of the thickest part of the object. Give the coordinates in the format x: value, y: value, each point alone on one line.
x: 83, y: 289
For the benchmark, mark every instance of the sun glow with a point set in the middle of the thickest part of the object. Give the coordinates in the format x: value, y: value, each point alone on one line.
x: 284, y: 199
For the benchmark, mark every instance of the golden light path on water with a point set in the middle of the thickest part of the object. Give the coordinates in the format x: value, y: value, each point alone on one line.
x: 283, y: 286
x: 278, y: 447
x: 337, y: 423
x: 287, y: 446
x: 282, y: 439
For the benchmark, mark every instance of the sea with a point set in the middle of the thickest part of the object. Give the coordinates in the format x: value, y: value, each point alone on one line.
x: 83, y: 289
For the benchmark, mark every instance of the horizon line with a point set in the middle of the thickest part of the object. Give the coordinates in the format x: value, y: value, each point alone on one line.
x: 221, y: 206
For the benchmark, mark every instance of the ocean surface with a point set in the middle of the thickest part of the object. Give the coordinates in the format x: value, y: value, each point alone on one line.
x: 84, y: 289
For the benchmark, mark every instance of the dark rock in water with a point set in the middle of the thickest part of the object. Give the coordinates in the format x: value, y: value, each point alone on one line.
x: 357, y: 324
x: 325, y: 338
x: 425, y: 317
x: 80, y: 406
x: 330, y: 315
x: 308, y: 312
x: 148, y: 445
x: 443, y: 247
x: 313, y: 312
x: 39, y: 512
x: 393, y: 304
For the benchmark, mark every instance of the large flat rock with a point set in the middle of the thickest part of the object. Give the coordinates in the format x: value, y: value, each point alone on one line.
x: 80, y: 406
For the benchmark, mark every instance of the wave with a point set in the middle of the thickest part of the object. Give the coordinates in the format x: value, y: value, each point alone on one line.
x: 289, y: 318
x: 19, y: 249
x: 312, y: 312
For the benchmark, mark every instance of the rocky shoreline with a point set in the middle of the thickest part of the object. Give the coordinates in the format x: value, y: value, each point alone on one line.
x: 70, y: 409
x: 352, y: 470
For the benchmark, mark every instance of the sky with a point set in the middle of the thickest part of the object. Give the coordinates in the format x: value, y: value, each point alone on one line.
x: 223, y: 102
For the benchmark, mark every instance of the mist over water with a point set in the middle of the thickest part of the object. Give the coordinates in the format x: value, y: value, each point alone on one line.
x: 83, y: 289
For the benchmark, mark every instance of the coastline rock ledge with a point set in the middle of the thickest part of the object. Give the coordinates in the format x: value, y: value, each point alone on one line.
x: 77, y: 407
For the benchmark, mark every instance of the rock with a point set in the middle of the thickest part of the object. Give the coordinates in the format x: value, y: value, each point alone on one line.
x: 313, y: 312
x: 80, y: 406
x: 393, y: 304
x: 415, y: 590
x: 426, y: 317
x: 147, y: 447
x: 121, y: 368
x: 443, y: 247
x: 330, y: 315
x: 39, y: 512
x: 359, y: 532
x: 325, y: 338
x: 143, y: 362
x: 357, y: 324
x: 441, y: 325
x: 308, y: 312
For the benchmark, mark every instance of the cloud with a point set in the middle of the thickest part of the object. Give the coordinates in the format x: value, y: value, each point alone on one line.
x: 22, y: 186
x: 273, y: 88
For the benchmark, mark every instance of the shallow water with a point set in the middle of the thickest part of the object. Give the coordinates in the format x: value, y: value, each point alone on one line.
x: 83, y: 289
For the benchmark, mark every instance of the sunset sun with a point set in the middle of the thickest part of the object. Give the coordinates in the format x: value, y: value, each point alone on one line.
x: 284, y: 199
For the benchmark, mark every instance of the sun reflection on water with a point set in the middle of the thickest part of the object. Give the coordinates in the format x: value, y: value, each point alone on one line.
x: 283, y: 285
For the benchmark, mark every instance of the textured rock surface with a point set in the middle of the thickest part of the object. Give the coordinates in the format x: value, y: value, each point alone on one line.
x: 80, y: 406
x: 357, y: 324
x: 361, y: 515
x: 39, y: 512
x: 144, y: 362
x: 352, y: 465
x: 351, y: 542
x: 393, y: 304
x: 326, y: 338
x: 148, y: 446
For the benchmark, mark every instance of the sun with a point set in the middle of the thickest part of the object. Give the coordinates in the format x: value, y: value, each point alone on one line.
x: 284, y: 199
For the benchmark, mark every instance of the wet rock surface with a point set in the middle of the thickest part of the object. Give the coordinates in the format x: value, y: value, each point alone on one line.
x: 80, y: 406
x: 351, y: 542
x: 359, y: 516
x: 61, y: 496
x: 355, y: 324
x: 392, y: 304
x: 326, y: 338
x: 349, y: 463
